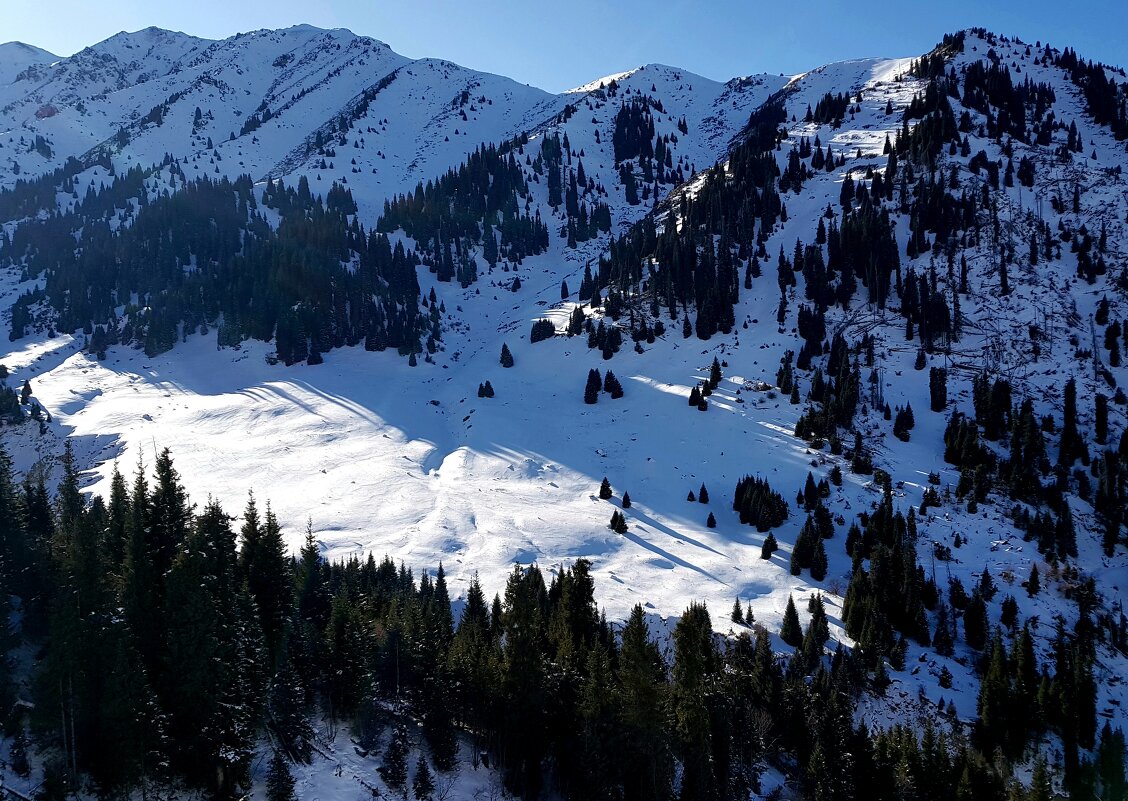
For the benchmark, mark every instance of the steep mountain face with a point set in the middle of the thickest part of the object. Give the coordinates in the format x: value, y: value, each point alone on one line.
x: 910, y: 274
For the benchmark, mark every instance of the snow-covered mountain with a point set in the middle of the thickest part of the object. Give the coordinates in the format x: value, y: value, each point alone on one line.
x: 410, y: 461
x: 16, y: 57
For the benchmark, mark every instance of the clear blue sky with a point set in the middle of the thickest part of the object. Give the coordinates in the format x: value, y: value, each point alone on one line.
x: 557, y: 45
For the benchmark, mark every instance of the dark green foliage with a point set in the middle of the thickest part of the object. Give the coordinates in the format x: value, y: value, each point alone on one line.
x: 542, y: 329
x: 975, y: 622
x: 612, y: 386
x: 769, y: 547
x: 290, y: 284
x: 618, y: 522
x: 758, y: 504
x: 938, y: 388
x: 605, y: 489
x: 559, y: 703
x: 903, y: 423
x: 506, y: 357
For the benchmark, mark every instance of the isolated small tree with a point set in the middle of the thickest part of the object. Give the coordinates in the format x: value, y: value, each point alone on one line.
x: 506, y: 357
x: 711, y: 522
x: 769, y: 547
x: 1034, y: 583
x: 703, y: 495
x: 691, y: 497
x: 605, y: 489
x: 626, y: 500
x: 737, y: 612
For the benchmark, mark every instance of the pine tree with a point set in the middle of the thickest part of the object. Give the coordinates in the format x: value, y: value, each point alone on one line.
x: 703, y: 495
x: 626, y: 500
x: 506, y: 357
x: 737, y: 615
x: 711, y: 522
x: 1034, y: 583
x: 605, y: 492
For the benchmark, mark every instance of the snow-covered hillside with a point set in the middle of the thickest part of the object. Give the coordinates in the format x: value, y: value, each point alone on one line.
x: 410, y: 462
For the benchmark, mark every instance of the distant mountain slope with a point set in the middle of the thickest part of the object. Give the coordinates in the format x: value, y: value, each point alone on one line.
x: 15, y: 57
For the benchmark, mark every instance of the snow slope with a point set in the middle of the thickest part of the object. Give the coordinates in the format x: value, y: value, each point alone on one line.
x: 15, y: 57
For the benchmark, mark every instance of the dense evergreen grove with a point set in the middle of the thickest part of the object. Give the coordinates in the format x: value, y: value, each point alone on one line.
x: 173, y: 644
x: 205, y: 256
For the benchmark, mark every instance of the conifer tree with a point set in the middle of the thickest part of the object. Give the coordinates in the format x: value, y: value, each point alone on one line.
x: 791, y: 632
x: 605, y: 492
x: 279, y: 780
x: 594, y: 384
x: 506, y: 357
x: 393, y: 767
x: 769, y: 547
x: 423, y: 785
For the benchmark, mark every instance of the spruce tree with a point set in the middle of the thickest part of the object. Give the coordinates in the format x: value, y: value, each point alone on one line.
x: 791, y: 632
x: 423, y: 785
x: 769, y: 547
x: 605, y: 492
x: 506, y: 357
x: 393, y: 768
x: 279, y: 780
x: 591, y: 390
